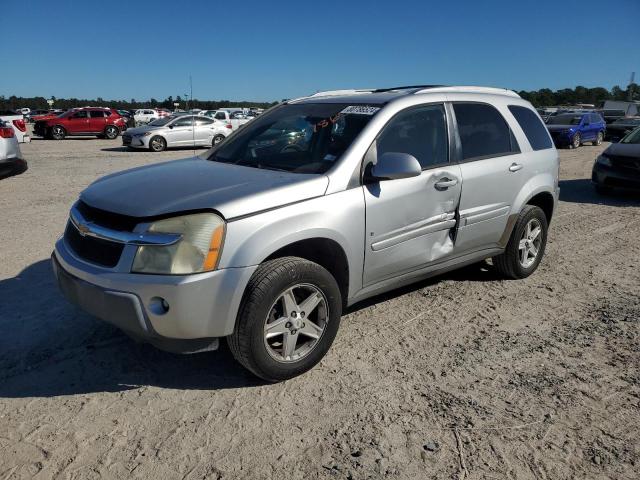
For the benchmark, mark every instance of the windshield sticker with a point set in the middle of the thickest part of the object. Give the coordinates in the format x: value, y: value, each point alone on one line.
x: 360, y: 110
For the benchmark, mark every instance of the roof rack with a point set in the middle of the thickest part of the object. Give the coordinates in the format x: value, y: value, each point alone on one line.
x: 333, y: 93
x: 470, y: 89
x: 405, y: 87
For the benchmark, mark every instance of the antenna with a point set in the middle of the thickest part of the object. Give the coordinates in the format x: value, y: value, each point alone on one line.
x: 193, y: 119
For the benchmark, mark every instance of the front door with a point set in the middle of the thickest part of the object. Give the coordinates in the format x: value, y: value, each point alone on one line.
x: 78, y: 122
x: 181, y: 133
x: 410, y: 222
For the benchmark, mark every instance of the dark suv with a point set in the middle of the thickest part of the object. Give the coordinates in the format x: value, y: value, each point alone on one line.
x: 100, y: 122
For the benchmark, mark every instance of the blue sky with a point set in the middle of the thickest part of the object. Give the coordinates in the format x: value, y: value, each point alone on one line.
x: 256, y: 50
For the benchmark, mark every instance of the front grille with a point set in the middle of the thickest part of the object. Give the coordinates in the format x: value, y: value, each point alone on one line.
x: 113, y: 221
x: 126, y: 139
x: 93, y: 250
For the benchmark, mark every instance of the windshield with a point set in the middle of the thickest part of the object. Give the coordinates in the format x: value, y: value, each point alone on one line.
x: 632, y: 137
x: 160, y: 121
x: 301, y: 138
x: 565, y: 119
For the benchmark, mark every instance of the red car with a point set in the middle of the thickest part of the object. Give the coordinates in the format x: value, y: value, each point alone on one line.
x: 100, y: 122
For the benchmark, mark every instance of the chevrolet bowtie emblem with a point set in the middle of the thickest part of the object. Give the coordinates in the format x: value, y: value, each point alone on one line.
x: 83, y: 229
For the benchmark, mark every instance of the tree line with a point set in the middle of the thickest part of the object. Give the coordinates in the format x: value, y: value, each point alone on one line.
x: 539, y: 98
x: 13, y: 103
x: 572, y: 96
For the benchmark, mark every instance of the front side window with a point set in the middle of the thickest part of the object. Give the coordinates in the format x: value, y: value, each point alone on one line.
x: 533, y: 128
x: 203, y: 121
x: 421, y: 132
x: 483, y: 131
x: 301, y: 138
x: 81, y: 114
x: 183, y: 122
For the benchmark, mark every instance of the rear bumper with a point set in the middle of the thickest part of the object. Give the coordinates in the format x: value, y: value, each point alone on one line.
x: 200, y: 306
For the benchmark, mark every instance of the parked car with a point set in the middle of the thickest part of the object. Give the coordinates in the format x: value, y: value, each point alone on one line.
x: 11, y: 161
x: 388, y: 187
x: 572, y: 129
x: 23, y: 111
x: 148, y: 115
x: 16, y: 121
x: 230, y: 118
x: 181, y: 131
x: 93, y: 121
x: 619, y: 165
x: 618, y: 129
x: 611, y: 116
x: 45, y: 115
x: 128, y: 116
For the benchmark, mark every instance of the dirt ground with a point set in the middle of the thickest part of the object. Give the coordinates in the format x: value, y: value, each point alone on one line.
x: 462, y: 376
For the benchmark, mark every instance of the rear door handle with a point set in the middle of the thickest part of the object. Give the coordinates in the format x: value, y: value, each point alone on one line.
x: 445, y: 183
x: 515, y: 167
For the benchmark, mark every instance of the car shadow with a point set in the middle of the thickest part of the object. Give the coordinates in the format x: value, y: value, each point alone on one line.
x: 51, y: 348
x: 145, y: 150
x: 581, y: 190
x: 13, y: 170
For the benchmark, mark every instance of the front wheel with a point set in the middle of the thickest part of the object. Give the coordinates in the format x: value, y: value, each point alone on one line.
x: 111, y: 132
x: 157, y: 144
x: 526, y: 245
x: 217, y: 139
x: 288, y: 319
x: 576, y: 141
x: 598, y: 139
x: 58, y: 133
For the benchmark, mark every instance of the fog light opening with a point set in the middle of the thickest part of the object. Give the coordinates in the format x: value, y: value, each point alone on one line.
x: 158, y: 306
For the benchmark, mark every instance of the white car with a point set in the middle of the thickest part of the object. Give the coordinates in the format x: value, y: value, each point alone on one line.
x: 11, y: 160
x: 228, y: 118
x: 148, y: 115
x: 16, y: 121
x: 182, y: 131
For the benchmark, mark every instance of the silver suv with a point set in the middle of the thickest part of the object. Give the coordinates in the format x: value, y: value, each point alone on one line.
x: 317, y: 204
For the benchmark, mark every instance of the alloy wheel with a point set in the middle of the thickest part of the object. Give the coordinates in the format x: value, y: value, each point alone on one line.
x: 576, y: 140
x: 530, y: 243
x: 295, y: 323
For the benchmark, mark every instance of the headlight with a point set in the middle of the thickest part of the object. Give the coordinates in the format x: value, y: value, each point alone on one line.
x: 198, y: 250
x: 604, y: 161
x: 145, y: 134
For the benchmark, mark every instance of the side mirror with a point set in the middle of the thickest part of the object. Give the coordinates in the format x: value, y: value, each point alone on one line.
x: 394, y: 166
x: 171, y: 126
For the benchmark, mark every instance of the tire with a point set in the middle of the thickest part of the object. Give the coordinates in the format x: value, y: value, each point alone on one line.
x: 217, y: 139
x: 264, y: 304
x: 58, y: 132
x: 576, y: 141
x: 598, y: 140
x: 157, y: 144
x: 510, y: 263
x: 111, y: 132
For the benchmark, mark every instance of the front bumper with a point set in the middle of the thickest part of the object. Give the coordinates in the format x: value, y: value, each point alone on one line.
x: 135, y: 142
x: 201, y: 306
x: 615, y: 178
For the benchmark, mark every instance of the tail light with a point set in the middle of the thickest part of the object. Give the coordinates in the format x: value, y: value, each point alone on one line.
x: 20, y: 125
x: 7, y: 132
x: 229, y: 126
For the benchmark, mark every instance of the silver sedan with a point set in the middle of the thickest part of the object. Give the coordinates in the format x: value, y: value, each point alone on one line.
x: 182, y: 131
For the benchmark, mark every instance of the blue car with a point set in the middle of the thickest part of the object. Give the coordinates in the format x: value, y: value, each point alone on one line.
x: 573, y: 129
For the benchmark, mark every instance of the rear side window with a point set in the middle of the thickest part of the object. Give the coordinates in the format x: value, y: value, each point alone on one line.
x: 421, y: 132
x: 532, y: 127
x: 96, y: 114
x: 483, y: 132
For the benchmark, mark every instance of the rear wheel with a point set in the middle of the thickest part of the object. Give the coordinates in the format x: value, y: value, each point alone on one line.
x: 288, y: 319
x: 111, y: 132
x: 598, y: 139
x: 58, y: 133
x: 157, y: 144
x: 217, y: 139
x: 526, y: 245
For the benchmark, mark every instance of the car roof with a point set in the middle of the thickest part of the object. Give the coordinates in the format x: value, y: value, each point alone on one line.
x: 381, y: 96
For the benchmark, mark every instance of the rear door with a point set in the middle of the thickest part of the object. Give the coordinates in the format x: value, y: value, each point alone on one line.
x: 97, y: 120
x: 410, y: 222
x: 493, y: 172
x: 203, y: 130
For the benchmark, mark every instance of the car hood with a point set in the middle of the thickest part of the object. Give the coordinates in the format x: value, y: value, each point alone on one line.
x: 556, y: 128
x: 195, y: 184
x: 623, y: 150
x: 144, y: 128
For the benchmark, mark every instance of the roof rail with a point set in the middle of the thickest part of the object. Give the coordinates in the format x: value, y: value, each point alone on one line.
x: 333, y: 93
x: 405, y: 87
x: 470, y: 89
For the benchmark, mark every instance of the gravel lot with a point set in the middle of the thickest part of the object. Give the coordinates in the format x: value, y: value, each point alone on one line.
x: 462, y: 376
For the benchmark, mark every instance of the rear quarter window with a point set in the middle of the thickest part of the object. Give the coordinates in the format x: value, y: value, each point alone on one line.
x: 533, y: 128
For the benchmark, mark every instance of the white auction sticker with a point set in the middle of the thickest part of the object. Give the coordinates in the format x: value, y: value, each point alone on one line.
x: 360, y: 110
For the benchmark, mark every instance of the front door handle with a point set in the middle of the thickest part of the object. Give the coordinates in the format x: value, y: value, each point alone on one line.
x: 445, y: 183
x: 515, y: 167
